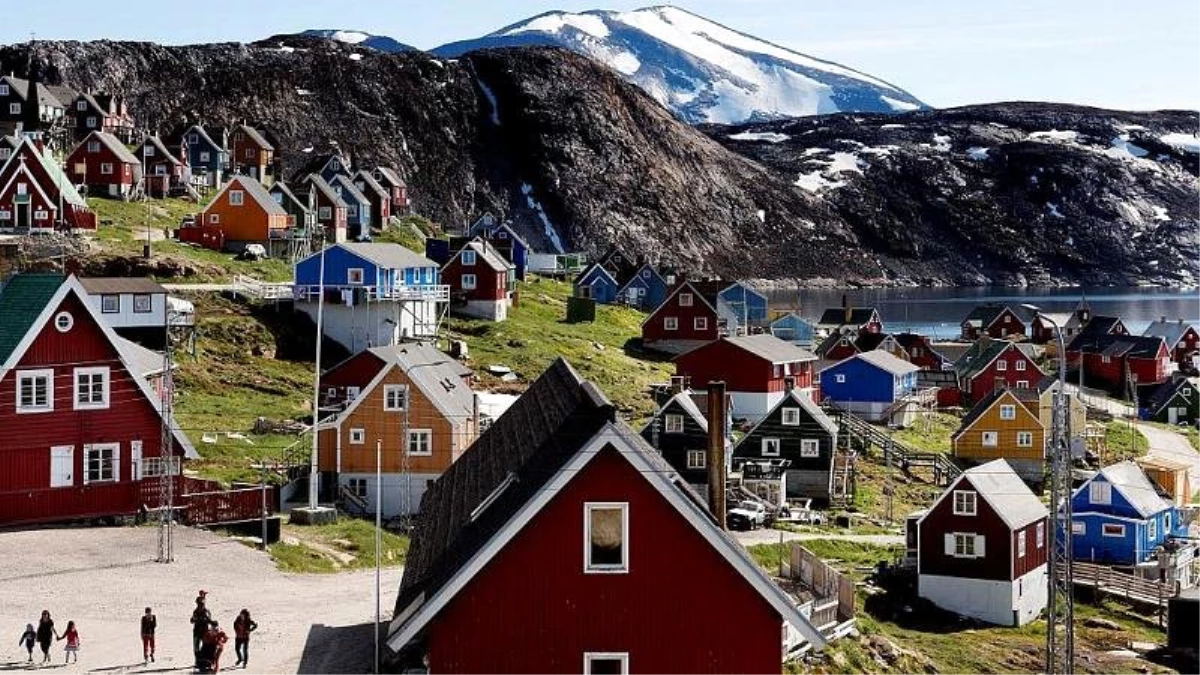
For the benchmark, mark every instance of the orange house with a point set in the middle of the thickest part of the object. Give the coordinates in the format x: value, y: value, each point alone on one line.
x: 1006, y: 424
x: 411, y: 400
x: 246, y: 213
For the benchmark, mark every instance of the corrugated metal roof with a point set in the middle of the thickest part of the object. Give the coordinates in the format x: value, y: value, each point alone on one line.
x: 1008, y: 495
x: 771, y: 348
x: 1169, y: 331
x: 1129, y: 479
x: 110, y: 285
x: 387, y: 255
x: 437, y: 375
x: 888, y: 362
x: 114, y: 145
x: 259, y: 194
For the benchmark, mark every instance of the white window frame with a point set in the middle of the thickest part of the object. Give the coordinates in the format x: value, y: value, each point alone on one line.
x: 1103, y: 495
x: 790, y: 417
x: 469, y: 282
x: 1022, y: 384
x: 1001, y: 366
x: 1078, y: 527
x: 673, y: 424
x: 1166, y: 522
x: 81, y: 105
x: 965, y: 538
x: 204, y: 156
x: 697, y: 459
x: 1152, y: 529
x: 354, y: 276
x: 839, y: 378
x: 388, y: 390
x: 700, y: 323
x: 145, y: 300
x: 14, y: 108
x: 468, y: 258
x: 1020, y: 364
x: 324, y: 213
x: 63, y: 322
x: 91, y: 122
x: 685, y: 299
x: 214, y: 218
x: 147, y: 150
x: 422, y: 437
x: 1024, y: 439
x: 115, y: 474
x: 1008, y: 411
x: 1041, y: 535
x: 810, y: 447
x: 93, y: 147
x: 588, y: 657
x: 1021, y: 543
x: 767, y: 445
x: 670, y: 323
x: 1107, y: 527
x: 623, y: 566
x: 106, y: 168
x: 44, y: 373
x: 969, y: 503
x: 237, y: 197
x: 358, y: 436
x: 358, y: 487
x: 3, y: 89
x: 105, y: 387
x: 104, y: 304
x: 990, y: 439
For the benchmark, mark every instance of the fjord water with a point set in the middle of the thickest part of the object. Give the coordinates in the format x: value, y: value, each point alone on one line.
x: 938, y: 311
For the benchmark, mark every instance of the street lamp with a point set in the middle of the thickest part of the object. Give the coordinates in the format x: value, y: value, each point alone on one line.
x: 1060, y: 657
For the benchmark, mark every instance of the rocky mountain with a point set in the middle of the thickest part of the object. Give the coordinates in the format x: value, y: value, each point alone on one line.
x: 382, y: 43
x: 576, y: 155
x: 700, y: 69
x: 1013, y: 192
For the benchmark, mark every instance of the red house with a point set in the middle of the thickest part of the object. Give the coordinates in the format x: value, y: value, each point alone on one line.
x: 921, y: 352
x: 995, y: 321
x: 380, y: 197
x: 989, y: 364
x: 756, y: 370
x: 100, y: 112
x: 1181, y: 338
x: 982, y: 547
x: 103, y: 164
x: 1115, y: 362
x: 396, y: 187
x: 32, y: 188
x: 553, y: 545
x: 684, y: 321
x: 164, y: 168
x: 332, y: 212
x: 80, y: 427
x: 481, y: 281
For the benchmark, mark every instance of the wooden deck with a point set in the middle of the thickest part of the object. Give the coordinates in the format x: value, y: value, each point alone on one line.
x: 1134, y: 589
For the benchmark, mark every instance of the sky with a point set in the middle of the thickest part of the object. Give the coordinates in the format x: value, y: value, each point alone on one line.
x: 1133, y: 56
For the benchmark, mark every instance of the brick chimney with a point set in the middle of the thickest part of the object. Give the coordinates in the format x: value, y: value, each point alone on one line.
x: 716, y: 451
x: 846, y: 308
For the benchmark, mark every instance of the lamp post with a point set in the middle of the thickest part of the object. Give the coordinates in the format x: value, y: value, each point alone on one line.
x: 1060, y: 654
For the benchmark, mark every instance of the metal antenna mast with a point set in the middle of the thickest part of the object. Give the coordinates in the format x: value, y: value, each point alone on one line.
x: 167, y: 459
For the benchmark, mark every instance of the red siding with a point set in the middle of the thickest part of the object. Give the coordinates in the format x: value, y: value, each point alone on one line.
x: 842, y: 349
x: 1187, y: 344
x: 739, y: 369
x: 489, y: 284
x: 654, y: 328
x: 122, y: 173
x: 984, y: 382
x: 1035, y: 556
x: 1111, y: 375
x: 680, y: 609
x: 996, y: 563
x: 356, y: 371
x: 26, y: 439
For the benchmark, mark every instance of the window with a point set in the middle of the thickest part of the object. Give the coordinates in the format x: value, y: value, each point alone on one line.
x: 964, y: 502
x: 91, y: 388
x: 352, y: 393
x: 1113, y: 530
x: 82, y: 105
x: 966, y: 545
x: 3, y: 89
x: 810, y: 447
x: 1106, y: 359
x: 791, y: 417
x: 468, y: 282
x: 358, y: 436
x: 1078, y: 527
x: 1001, y: 366
x: 1008, y: 412
x: 106, y: 168
x: 148, y: 151
x: 110, y: 304
x: 685, y: 299
x: 1100, y: 492
x: 770, y: 447
x: 1167, y: 522
x: 1021, y: 364
x: 1152, y: 529
x: 63, y: 322
x: 674, y: 424
x: 101, y: 463
x: 696, y: 459
x: 670, y: 323
x: 990, y: 439
x: 605, y: 663
x: 14, y: 108
x: 352, y: 211
x: 1021, y: 544
x: 192, y: 138
x: 840, y: 379
x: 41, y: 214
x: 1024, y: 439
x: 204, y: 155
x: 152, y: 467
x: 35, y: 391
x: 249, y: 153
x: 468, y: 257
x: 606, y: 537
x: 1022, y: 384
x: 395, y: 396
x: 1041, y: 535
x: 142, y: 303
x: 645, y: 274
x: 354, y: 275
x: 93, y: 147
x: 236, y: 197
x: 700, y: 323
x: 1007, y: 318
x: 323, y: 213
x: 334, y: 165
x: 214, y: 218
x: 357, y: 487
x: 91, y: 122
x: 420, y: 442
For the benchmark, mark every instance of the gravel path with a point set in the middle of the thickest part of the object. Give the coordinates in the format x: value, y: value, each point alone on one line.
x: 1173, y: 446
x: 103, y: 578
x: 768, y: 536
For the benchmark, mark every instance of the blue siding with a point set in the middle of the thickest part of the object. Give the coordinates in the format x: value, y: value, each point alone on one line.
x: 1136, y: 545
x: 604, y: 287
x: 747, y: 304
x: 793, y: 328
x: 520, y: 252
x: 654, y: 288
x: 437, y: 250
x: 338, y: 262
x: 864, y: 383
x: 216, y: 156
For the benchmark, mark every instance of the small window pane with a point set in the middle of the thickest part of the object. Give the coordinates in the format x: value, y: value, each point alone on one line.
x: 607, y: 537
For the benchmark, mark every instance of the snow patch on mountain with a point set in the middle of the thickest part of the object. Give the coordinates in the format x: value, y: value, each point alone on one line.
x: 548, y: 228
x: 767, y: 136
x: 1185, y: 142
x: 899, y: 105
x: 553, y: 23
x: 1054, y: 135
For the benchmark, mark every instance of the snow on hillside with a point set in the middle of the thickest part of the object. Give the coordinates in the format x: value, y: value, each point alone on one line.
x: 702, y: 70
x: 359, y: 38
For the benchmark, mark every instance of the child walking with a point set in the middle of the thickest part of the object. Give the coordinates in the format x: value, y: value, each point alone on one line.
x: 243, y: 626
x: 71, y: 635
x: 149, y: 625
x: 28, y: 638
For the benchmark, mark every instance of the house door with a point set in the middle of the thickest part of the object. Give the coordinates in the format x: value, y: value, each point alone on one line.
x: 1175, y: 414
x: 62, y: 466
x: 135, y: 458
x: 633, y: 295
x: 24, y: 221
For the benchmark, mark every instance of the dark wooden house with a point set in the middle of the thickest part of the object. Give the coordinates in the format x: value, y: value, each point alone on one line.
x: 800, y: 434
x: 679, y: 431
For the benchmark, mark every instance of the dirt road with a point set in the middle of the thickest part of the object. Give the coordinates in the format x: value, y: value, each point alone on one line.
x: 768, y: 536
x: 1172, y: 446
x: 103, y: 578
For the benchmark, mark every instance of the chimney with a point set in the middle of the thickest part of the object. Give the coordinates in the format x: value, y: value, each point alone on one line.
x: 789, y: 384
x: 1163, y: 318
x: 846, y: 308
x: 475, y: 411
x: 716, y: 451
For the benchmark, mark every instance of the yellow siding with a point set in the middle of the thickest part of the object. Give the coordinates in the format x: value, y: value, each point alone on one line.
x: 969, y: 443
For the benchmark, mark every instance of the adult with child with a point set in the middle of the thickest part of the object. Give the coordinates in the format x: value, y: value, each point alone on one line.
x: 46, y: 634
x: 243, y: 626
x: 201, y: 618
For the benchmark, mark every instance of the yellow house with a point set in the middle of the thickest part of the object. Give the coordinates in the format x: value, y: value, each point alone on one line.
x: 1005, y: 425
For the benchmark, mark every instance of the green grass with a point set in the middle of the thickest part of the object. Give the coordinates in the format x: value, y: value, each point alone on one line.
x: 410, y: 233
x: 936, y: 439
x: 348, y: 544
x: 536, y: 333
x: 847, y: 554
x: 1123, y: 442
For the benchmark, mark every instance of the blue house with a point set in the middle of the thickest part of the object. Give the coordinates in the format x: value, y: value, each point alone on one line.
x: 327, y: 165
x: 747, y: 305
x: 646, y: 289
x: 208, y: 156
x: 791, y: 327
x: 505, y: 239
x: 873, y: 385
x: 597, y: 283
x: 1119, y: 518
x: 375, y: 294
x: 358, y: 207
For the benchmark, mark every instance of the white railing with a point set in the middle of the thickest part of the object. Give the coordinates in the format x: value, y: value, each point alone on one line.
x: 439, y: 293
x: 261, y: 290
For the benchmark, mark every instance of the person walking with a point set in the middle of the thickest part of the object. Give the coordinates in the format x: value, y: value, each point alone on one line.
x: 28, y: 639
x: 71, y: 635
x: 243, y: 626
x: 46, y: 634
x: 210, y: 652
x: 201, y: 618
x: 149, y: 624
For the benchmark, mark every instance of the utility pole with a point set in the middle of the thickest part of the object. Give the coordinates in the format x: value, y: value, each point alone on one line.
x: 167, y: 460
x: 378, y: 541
x: 313, y: 467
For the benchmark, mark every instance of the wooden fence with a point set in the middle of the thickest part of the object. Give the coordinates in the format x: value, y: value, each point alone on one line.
x: 1135, y: 589
x: 834, y: 592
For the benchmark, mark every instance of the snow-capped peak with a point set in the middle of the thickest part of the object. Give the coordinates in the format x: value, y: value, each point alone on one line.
x: 702, y: 70
x: 362, y: 39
